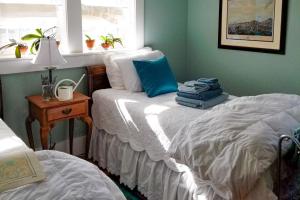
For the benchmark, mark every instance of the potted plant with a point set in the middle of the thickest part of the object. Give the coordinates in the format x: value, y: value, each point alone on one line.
x: 105, y: 42
x: 20, y: 49
x: 109, y: 41
x: 89, y: 42
x: 39, y: 33
x: 23, y: 48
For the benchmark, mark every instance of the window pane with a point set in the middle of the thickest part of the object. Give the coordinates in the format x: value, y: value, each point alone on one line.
x: 107, y: 16
x: 20, y: 17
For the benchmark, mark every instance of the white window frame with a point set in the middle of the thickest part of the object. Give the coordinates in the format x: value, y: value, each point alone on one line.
x: 73, y: 30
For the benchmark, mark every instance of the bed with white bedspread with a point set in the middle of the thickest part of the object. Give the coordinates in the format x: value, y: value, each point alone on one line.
x: 133, y: 135
x: 67, y: 177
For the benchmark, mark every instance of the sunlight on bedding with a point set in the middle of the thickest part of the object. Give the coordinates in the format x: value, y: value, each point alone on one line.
x: 201, y: 197
x: 154, y: 124
x: 10, y: 143
x: 155, y: 109
x: 121, y: 105
x: 151, y: 115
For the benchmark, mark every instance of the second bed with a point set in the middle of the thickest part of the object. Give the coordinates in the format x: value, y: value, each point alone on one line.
x: 138, y: 139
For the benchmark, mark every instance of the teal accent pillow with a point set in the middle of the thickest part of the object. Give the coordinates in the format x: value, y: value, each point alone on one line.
x: 156, y: 76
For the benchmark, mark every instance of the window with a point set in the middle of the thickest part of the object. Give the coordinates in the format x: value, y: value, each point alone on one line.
x: 73, y: 19
x: 108, y: 17
x: 20, y: 17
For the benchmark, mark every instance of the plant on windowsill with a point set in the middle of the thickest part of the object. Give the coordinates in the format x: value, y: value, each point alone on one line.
x: 39, y: 33
x: 89, y: 42
x: 109, y: 41
x: 20, y: 48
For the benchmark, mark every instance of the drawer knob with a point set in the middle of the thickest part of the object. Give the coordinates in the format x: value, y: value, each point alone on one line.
x: 67, y: 111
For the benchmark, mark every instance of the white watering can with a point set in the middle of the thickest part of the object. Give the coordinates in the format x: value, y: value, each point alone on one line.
x: 65, y: 93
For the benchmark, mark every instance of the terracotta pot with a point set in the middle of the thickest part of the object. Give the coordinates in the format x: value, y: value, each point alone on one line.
x: 105, y: 45
x: 23, y: 49
x: 90, y: 44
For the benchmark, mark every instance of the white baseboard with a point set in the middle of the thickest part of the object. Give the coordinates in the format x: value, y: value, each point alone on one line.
x: 78, y: 146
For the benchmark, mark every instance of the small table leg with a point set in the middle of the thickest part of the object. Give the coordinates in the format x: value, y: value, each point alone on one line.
x: 28, y: 123
x: 89, y: 124
x: 44, y: 131
x: 71, y: 134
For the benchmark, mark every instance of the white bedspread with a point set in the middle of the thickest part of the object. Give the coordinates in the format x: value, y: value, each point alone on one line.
x: 68, y: 178
x: 233, y: 145
x: 145, y: 123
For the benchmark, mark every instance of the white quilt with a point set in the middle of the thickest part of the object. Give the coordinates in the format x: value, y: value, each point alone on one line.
x: 18, y: 164
x: 68, y: 178
x: 232, y: 146
x: 147, y: 124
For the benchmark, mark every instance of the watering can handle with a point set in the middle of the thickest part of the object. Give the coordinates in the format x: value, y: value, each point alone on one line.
x: 60, y: 82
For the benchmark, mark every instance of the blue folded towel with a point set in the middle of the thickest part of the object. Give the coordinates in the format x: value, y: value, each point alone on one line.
x: 187, y: 104
x: 201, y: 104
x: 206, y: 95
x: 196, y: 84
x: 208, y: 80
x: 197, y: 87
x: 193, y: 90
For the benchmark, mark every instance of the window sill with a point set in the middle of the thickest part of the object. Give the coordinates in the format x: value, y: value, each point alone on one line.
x: 10, y: 65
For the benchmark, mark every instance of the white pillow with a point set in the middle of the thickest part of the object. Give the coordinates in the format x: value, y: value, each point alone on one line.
x: 130, y: 77
x: 112, y: 69
x: 113, y: 73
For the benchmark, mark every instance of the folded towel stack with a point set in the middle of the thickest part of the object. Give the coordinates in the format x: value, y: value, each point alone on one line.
x: 202, y: 93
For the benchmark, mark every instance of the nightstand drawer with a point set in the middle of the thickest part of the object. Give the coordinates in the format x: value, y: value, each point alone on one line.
x: 66, y: 111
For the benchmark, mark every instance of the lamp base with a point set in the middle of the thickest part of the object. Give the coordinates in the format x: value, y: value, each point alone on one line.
x: 50, y: 69
x: 48, y: 88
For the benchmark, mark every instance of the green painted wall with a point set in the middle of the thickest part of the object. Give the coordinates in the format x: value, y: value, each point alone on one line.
x: 165, y: 29
x: 242, y: 73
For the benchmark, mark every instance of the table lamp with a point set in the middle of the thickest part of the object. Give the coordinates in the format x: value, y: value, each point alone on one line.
x: 48, y: 55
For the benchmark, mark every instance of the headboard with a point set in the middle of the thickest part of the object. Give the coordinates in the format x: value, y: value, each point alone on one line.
x: 97, y: 78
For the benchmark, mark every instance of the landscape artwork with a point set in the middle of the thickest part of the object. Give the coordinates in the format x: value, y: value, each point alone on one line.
x: 251, y: 19
x: 253, y: 25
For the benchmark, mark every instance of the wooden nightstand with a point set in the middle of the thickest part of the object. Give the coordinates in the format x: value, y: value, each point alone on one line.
x: 50, y: 112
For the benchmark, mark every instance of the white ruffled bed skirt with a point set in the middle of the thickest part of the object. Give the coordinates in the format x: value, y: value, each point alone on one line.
x: 155, y: 180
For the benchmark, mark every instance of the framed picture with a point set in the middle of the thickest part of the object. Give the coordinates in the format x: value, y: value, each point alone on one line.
x: 253, y: 25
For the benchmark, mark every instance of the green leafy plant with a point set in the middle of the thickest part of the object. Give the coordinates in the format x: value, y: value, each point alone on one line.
x: 110, y: 40
x: 37, y: 36
x: 88, y: 37
x: 14, y: 43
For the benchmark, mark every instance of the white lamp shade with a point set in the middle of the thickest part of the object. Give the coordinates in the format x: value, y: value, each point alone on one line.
x: 48, y: 54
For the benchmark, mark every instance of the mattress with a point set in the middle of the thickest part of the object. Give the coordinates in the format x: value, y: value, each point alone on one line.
x: 68, y: 178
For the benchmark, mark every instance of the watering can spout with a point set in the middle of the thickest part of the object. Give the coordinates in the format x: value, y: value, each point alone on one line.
x: 75, y: 87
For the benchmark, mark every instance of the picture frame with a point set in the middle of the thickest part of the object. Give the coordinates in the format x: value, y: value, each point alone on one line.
x: 252, y: 25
